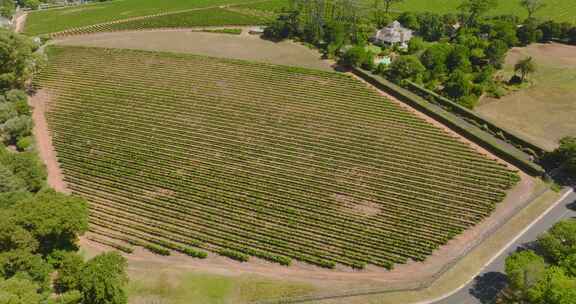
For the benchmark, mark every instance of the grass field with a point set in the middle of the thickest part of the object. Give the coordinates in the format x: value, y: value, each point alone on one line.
x: 560, y: 10
x: 55, y: 20
x: 249, y: 159
x: 199, y: 288
x: 546, y: 110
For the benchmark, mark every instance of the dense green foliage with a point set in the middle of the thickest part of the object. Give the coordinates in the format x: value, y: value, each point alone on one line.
x: 565, y: 156
x: 544, y: 280
x: 17, y: 61
x: 265, y: 164
x: 38, y: 226
x: 102, y: 279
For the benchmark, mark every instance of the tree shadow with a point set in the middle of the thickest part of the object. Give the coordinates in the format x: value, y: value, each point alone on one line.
x: 486, y: 287
x: 572, y: 206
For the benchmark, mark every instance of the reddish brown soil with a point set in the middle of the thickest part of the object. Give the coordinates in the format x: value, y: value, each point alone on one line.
x: 40, y: 101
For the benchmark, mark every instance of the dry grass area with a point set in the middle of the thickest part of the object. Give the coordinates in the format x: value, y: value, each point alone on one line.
x: 546, y: 111
x: 244, y: 47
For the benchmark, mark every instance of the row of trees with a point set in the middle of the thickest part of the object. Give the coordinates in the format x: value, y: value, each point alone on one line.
x: 546, y: 275
x: 19, y: 61
x: 39, y: 227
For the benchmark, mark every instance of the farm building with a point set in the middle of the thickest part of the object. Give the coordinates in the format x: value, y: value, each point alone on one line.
x: 393, y: 34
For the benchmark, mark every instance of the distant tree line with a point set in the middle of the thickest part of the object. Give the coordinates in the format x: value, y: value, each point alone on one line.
x: 39, y: 227
x: 453, y: 54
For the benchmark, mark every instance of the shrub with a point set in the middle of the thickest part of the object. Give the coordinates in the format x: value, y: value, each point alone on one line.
x: 25, y: 143
x: 16, y: 128
x: 357, y: 56
x: 194, y: 253
x: 7, y: 112
x: 406, y: 67
x: 235, y: 255
x: 157, y: 249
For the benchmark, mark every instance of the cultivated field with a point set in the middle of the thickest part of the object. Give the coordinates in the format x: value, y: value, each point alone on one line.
x: 55, y: 20
x: 545, y: 112
x: 249, y: 159
x: 246, y: 47
x: 194, y: 18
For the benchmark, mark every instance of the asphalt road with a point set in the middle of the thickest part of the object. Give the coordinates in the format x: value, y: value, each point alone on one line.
x: 484, y: 288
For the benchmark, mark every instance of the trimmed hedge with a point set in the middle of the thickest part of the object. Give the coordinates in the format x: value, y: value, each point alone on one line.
x: 485, y: 124
x: 484, y: 139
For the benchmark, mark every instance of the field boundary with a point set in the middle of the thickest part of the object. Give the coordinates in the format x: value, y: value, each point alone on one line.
x: 476, y: 119
x: 82, y: 29
x: 469, y: 131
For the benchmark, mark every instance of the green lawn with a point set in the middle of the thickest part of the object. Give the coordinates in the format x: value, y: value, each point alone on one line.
x: 49, y: 21
x: 561, y: 10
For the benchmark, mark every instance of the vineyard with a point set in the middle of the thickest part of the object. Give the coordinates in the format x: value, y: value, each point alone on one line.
x: 57, y: 20
x: 194, y: 18
x: 242, y: 159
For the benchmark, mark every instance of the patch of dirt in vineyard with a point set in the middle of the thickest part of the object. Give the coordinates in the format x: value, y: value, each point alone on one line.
x: 159, y: 193
x: 40, y: 103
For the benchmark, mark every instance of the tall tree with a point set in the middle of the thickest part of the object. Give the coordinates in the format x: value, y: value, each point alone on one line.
x: 524, y: 269
x: 17, y: 60
x: 103, y: 279
x: 525, y: 67
x: 532, y: 6
x: 472, y: 10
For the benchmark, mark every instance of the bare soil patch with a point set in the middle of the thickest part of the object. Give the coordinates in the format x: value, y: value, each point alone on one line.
x: 40, y: 102
x: 545, y: 111
x: 20, y: 22
x: 246, y: 47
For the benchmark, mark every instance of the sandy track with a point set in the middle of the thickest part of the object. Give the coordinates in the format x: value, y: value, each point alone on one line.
x: 20, y: 22
x: 44, y: 145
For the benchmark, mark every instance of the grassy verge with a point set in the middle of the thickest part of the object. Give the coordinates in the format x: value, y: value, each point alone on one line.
x: 200, y: 288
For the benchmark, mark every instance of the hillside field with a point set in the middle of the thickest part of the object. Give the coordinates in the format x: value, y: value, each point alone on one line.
x: 56, y: 20
x: 251, y: 159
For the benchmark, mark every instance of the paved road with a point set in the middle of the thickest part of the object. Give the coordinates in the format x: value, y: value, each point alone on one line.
x: 487, y: 284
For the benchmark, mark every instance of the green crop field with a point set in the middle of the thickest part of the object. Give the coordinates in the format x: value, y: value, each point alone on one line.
x: 204, y: 17
x: 55, y: 20
x: 251, y: 159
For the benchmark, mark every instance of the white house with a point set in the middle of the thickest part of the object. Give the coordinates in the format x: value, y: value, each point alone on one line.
x: 392, y: 34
